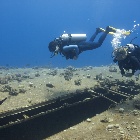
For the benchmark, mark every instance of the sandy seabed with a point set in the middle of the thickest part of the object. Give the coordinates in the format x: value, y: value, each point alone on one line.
x: 24, y: 87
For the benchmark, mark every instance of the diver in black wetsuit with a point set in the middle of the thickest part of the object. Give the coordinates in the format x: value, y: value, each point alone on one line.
x: 71, y: 45
x: 128, y: 58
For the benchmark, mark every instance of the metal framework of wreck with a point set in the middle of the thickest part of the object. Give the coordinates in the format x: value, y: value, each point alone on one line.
x: 113, y: 91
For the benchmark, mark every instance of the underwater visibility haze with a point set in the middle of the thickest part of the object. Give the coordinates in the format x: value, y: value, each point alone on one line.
x: 27, y: 27
x: 44, y: 98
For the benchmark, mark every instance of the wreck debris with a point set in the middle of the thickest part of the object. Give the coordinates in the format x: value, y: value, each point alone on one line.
x: 106, y: 120
x: 49, y: 85
x: 88, y: 76
x: 9, y: 89
x: 68, y: 74
x: 78, y: 82
x: 99, y: 76
x: 136, y: 103
x: 37, y: 74
x: 53, y: 72
x: 112, y: 69
x: 31, y: 84
x: 3, y: 100
x: 71, y: 68
x: 106, y: 87
x: 103, y: 89
x: 12, y: 91
x: 121, y: 110
x: 87, y: 68
x: 5, y: 88
x: 22, y: 90
x: 3, y: 80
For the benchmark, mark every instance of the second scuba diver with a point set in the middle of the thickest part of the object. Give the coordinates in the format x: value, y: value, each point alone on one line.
x: 128, y: 58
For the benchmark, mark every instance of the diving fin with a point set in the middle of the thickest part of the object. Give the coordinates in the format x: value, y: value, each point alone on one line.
x: 111, y: 33
x: 123, y: 33
x: 102, y: 30
x: 112, y: 30
x: 126, y: 33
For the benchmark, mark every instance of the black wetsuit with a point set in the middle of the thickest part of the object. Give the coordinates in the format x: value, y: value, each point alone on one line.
x: 90, y: 45
x: 70, y: 51
x: 132, y: 61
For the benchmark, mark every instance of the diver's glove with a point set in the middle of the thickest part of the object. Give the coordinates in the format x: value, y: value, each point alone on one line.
x: 137, y: 72
x: 122, y: 73
x: 56, y: 50
x: 115, y: 60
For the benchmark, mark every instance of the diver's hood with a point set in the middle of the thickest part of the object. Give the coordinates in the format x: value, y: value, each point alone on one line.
x: 120, y: 53
x: 52, y: 46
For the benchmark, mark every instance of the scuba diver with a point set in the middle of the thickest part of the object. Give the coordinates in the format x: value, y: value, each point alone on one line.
x: 128, y: 58
x: 71, y: 45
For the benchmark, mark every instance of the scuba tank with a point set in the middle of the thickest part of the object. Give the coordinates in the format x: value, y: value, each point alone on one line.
x: 73, y: 37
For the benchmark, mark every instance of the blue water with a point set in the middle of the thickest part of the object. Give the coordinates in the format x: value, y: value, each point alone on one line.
x: 27, y: 27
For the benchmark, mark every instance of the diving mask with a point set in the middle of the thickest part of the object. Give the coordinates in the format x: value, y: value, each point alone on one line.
x: 120, y: 53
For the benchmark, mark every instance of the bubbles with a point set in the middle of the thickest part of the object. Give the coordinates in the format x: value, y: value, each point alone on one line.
x: 135, y: 27
x: 121, y: 34
x: 117, y: 37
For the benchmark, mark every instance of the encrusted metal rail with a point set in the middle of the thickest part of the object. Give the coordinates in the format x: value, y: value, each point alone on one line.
x: 105, y: 89
x: 23, y: 114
